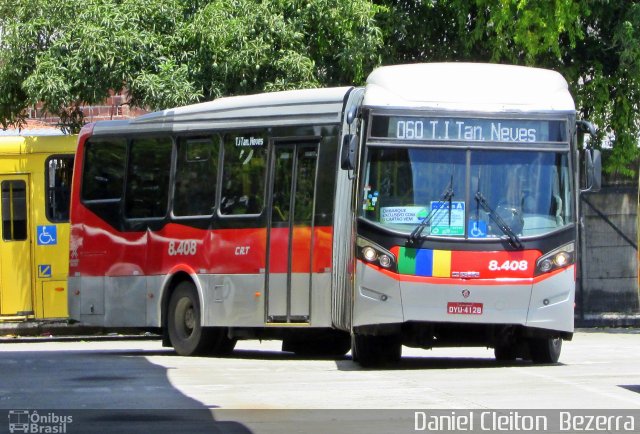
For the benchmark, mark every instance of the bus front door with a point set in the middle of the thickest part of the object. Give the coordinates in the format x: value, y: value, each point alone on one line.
x: 16, y: 297
x: 288, y: 283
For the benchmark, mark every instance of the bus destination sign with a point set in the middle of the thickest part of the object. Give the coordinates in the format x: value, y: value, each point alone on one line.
x: 468, y: 129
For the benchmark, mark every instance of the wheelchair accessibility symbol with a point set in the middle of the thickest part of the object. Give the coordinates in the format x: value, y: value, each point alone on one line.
x: 477, y: 229
x: 47, y: 235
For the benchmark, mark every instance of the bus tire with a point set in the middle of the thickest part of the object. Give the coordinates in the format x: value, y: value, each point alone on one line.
x: 545, y: 350
x: 372, y: 351
x: 505, y: 353
x: 186, y: 333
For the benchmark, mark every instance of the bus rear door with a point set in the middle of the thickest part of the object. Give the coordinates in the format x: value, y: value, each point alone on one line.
x: 15, y: 247
x: 291, y: 229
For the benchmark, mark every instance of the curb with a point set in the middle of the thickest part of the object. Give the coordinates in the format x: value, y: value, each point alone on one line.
x: 608, y: 320
x: 52, y: 331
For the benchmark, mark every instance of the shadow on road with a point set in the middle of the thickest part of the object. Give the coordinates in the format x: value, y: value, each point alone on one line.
x: 103, y: 391
x: 346, y: 363
x: 631, y: 387
x: 439, y: 363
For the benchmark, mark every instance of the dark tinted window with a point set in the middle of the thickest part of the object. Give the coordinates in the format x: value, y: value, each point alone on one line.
x: 58, y: 171
x: 243, y: 172
x: 148, y: 178
x: 196, y: 177
x: 14, y: 210
x: 305, y: 185
x: 103, y: 169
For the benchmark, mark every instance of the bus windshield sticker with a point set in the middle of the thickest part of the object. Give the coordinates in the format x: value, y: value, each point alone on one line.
x: 370, y: 199
x: 403, y: 214
x: 477, y: 229
x: 449, y: 220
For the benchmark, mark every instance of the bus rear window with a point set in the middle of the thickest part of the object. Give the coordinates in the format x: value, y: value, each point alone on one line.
x: 103, y: 169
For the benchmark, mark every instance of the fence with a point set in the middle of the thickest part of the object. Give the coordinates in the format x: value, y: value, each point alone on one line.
x: 607, y: 292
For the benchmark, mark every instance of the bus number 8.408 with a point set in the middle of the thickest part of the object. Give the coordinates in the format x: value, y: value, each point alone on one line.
x: 410, y: 130
x: 508, y: 265
x: 183, y: 248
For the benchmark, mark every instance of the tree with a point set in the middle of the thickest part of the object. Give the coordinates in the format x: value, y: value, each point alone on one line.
x: 595, y: 44
x: 173, y: 52
x: 604, y: 70
x: 69, y: 54
x: 244, y: 46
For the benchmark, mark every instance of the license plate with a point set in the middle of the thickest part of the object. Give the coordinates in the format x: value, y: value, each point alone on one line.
x: 456, y: 308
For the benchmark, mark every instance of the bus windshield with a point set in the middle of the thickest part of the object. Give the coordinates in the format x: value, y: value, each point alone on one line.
x: 463, y: 193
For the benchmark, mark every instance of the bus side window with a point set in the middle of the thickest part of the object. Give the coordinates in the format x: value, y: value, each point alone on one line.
x: 103, y: 170
x: 147, y: 190
x: 196, y: 177
x: 58, y: 171
x: 243, y: 174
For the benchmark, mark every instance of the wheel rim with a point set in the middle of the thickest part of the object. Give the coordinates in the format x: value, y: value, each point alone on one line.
x: 185, y: 318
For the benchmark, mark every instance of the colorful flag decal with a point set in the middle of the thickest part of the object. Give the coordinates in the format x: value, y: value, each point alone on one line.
x: 424, y: 262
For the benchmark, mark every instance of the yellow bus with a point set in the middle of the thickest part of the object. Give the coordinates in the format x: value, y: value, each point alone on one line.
x: 35, y: 180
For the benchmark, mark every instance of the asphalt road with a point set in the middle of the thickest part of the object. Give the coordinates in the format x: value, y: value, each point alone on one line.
x: 138, y: 386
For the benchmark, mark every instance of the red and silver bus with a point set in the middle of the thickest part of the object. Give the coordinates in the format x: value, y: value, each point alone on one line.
x: 436, y: 206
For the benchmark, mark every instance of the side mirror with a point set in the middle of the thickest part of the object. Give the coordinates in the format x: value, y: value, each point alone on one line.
x: 593, y: 167
x: 348, y: 152
x: 586, y: 127
x: 593, y: 159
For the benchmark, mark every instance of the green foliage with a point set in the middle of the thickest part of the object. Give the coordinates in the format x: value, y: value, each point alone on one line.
x: 604, y: 71
x: 595, y: 44
x: 174, y: 52
x: 244, y: 46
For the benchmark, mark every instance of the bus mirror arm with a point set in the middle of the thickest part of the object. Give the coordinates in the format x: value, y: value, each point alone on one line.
x: 586, y: 127
x: 348, y: 152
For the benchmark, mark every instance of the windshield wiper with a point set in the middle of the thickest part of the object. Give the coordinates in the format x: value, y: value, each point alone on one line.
x: 447, y: 195
x: 504, y: 227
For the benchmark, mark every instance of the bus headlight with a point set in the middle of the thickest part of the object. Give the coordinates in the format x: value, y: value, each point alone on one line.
x: 385, y: 261
x: 374, y: 254
x: 369, y: 254
x: 558, y: 258
x: 561, y: 259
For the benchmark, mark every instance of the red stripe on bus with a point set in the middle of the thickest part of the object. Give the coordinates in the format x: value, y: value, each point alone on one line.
x: 458, y: 281
x: 220, y: 251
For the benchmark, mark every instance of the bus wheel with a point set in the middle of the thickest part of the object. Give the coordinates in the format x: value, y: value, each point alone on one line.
x: 505, y: 353
x: 370, y: 351
x: 545, y: 350
x: 184, y: 323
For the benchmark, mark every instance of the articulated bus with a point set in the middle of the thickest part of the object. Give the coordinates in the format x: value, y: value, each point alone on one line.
x: 436, y: 206
x: 35, y: 180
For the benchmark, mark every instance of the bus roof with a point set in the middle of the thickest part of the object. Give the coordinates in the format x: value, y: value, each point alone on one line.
x: 16, y: 145
x: 295, y: 107
x: 471, y: 87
